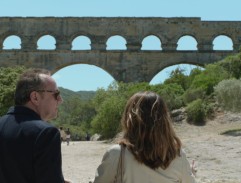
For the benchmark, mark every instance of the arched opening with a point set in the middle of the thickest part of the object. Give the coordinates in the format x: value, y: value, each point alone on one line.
x: 12, y: 42
x: 83, y: 77
x: 222, y: 43
x: 116, y: 43
x: 165, y: 73
x: 46, y: 42
x: 187, y: 43
x: 81, y: 43
x: 151, y: 43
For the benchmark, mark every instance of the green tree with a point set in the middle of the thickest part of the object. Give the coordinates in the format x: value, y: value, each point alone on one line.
x: 177, y: 76
x: 109, y: 105
x: 232, y: 64
x: 8, y: 79
x: 208, y: 78
x: 76, y: 114
x: 107, y: 121
x: 75, y: 111
x: 171, y: 94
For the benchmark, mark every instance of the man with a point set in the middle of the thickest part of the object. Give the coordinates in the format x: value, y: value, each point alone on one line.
x: 62, y: 134
x: 30, y: 147
x: 68, y: 136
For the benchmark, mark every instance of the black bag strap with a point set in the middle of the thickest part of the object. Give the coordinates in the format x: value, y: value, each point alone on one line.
x: 120, y: 166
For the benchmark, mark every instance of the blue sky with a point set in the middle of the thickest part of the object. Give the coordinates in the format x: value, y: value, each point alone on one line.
x: 86, y: 77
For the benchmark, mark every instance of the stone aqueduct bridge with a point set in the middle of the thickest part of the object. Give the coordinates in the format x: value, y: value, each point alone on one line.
x: 131, y: 65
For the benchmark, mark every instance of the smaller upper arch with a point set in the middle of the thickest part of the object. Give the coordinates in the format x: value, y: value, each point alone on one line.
x: 12, y: 42
x: 10, y: 33
x: 42, y: 33
x: 81, y: 43
x: 151, y: 42
x: 187, y: 42
x: 116, y: 42
x: 74, y: 35
x: 216, y: 34
x: 222, y: 42
x: 46, y: 42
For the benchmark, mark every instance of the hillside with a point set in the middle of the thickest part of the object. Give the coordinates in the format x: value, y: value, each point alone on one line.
x: 84, y: 95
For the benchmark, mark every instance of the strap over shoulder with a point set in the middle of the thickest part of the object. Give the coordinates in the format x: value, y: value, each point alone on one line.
x: 120, y: 166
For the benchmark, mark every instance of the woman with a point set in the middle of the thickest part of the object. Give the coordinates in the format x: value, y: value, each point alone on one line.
x: 152, y: 152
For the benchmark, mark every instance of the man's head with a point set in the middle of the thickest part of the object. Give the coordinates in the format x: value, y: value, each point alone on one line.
x: 37, y: 90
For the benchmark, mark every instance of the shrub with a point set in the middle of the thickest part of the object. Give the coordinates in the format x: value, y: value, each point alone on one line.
x: 172, y: 94
x: 228, y: 93
x: 196, y: 112
x: 210, y: 77
x: 209, y: 108
x: 232, y: 65
x: 107, y: 120
x: 193, y: 94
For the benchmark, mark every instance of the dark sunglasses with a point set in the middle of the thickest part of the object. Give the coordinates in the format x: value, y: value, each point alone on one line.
x: 56, y: 93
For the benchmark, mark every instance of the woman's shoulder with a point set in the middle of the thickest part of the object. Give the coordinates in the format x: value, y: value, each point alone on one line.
x: 114, y: 148
x: 112, y: 152
x: 182, y: 152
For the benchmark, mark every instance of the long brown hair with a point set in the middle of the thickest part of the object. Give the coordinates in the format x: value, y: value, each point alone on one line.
x: 148, y: 132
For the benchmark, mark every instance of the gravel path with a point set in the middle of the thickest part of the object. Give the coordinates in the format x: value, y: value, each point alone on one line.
x: 218, y: 157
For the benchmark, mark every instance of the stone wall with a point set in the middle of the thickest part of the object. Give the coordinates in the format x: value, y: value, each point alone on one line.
x: 131, y: 65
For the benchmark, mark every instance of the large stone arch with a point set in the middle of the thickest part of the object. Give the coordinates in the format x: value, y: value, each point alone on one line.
x: 78, y: 63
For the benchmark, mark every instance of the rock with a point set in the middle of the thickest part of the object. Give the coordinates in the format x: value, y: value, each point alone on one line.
x: 95, y: 137
x: 178, y: 115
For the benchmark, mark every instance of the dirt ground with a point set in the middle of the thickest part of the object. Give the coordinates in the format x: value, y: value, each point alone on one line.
x: 217, y: 157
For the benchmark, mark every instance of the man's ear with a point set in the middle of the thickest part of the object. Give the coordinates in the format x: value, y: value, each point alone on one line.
x: 34, y: 97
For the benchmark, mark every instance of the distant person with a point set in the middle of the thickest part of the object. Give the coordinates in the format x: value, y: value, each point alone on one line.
x: 62, y: 134
x: 87, y: 137
x: 68, y: 136
x: 152, y: 150
x: 30, y: 147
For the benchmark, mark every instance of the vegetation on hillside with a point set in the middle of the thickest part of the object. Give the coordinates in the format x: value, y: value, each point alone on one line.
x: 100, y: 112
x: 8, y: 79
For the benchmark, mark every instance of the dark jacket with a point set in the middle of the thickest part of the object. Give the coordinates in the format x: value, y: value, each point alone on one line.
x: 30, y: 149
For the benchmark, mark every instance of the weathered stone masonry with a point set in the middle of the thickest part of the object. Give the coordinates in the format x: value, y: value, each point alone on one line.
x: 131, y: 65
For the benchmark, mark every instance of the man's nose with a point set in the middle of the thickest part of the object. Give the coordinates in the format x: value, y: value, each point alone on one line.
x: 60, y: 99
